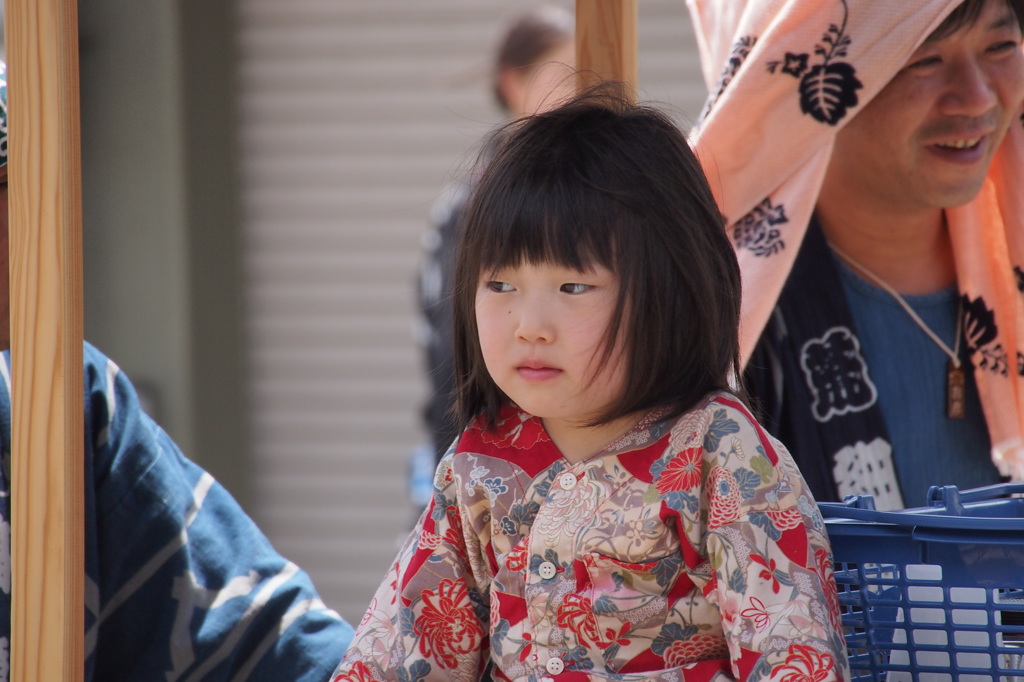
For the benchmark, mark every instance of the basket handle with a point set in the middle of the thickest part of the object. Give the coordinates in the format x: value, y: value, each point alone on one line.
x: 938, y: 494
x: 946, y: 510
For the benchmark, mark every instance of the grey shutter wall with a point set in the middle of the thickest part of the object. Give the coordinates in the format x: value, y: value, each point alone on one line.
x: 354, y: 115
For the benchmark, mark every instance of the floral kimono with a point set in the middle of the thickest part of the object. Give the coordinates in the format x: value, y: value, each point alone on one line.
x: 688, y: 549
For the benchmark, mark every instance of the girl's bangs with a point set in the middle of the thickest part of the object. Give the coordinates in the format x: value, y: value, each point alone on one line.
x: 546, y: 220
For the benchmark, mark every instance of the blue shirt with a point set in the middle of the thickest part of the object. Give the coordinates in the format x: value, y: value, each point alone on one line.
x: 909, y: 372
x: 179, y: 583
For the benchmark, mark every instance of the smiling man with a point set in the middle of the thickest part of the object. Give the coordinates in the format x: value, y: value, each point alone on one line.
x: 875, y: 205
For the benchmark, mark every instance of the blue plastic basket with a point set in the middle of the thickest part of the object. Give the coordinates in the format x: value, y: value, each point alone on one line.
x: 932, y: 593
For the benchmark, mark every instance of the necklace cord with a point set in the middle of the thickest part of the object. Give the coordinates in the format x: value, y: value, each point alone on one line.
x: 953, y: 353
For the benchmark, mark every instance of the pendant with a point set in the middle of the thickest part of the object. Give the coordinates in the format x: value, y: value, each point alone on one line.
x: 955, y: 394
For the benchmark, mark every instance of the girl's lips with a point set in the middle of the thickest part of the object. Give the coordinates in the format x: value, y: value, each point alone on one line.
x: 537, y: 373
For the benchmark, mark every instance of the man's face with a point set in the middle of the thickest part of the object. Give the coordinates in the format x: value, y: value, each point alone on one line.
x: 926, y: 140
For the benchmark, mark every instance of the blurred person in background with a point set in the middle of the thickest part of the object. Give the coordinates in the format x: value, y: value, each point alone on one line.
x: 533, y: 71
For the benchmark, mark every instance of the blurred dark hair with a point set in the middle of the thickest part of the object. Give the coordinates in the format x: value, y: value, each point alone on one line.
x: 531, y: 36
x: 601, y: 180
x: 967, y: 12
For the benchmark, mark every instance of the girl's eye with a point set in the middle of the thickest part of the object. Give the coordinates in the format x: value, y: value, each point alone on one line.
x: 574, y: 288
x: 499, y: 287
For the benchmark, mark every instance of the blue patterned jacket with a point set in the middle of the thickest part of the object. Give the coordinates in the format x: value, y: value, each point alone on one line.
x: 180, y: 584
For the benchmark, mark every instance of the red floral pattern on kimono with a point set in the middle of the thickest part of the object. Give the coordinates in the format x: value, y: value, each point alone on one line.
x: 690, y: 549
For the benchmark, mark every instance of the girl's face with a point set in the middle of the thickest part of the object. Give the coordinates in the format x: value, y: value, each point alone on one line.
x: 542, y: 330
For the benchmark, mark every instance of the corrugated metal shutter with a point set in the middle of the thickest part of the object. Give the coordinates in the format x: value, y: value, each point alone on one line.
x: 354, y: 113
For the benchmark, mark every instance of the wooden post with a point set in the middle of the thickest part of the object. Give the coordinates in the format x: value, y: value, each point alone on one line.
x: 48, y: 620
x: 606, y: 42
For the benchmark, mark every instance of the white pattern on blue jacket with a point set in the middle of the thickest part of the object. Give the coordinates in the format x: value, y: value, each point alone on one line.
x: 180, y: 584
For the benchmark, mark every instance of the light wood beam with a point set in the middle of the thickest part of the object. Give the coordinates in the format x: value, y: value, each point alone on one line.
x: 606, y: 42
x: 46, y: 341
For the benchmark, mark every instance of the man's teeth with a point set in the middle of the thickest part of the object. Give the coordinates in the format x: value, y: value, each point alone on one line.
x: 961, y: 144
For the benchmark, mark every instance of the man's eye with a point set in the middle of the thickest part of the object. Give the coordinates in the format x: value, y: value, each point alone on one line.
x: 499, y: 287
x: 574, y: 288
x: 924, y: 63
x: 1004, y: 46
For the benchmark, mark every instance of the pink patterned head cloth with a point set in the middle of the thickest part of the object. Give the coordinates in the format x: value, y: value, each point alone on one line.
x: 784, y: 76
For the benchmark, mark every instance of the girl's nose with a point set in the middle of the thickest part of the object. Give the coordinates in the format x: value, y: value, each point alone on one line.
x: 534, y: 324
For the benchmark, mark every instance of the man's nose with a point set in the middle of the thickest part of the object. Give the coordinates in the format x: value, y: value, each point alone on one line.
x: 971, y: 89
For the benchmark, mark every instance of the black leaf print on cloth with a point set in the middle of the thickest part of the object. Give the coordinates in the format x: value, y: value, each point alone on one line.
x: 757, y: 230
x: 740, y: 51
x: 980, y: 333
x: 1018, y: 275
x: 829, y: 89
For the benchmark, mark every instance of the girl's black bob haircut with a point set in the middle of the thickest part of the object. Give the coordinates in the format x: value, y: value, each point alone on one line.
x: 601, y: 180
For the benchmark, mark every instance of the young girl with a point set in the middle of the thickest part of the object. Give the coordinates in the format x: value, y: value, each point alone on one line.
x: 611, y: 510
